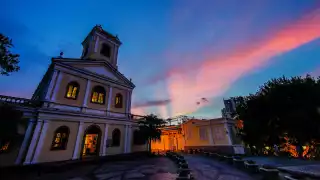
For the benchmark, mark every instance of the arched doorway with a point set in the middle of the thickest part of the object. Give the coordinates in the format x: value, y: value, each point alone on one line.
x: 91, y: 141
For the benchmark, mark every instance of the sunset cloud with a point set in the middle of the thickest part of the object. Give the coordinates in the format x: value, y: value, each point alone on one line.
x: 152, y: 103
x: 315, y: 73
x: 216, y: 73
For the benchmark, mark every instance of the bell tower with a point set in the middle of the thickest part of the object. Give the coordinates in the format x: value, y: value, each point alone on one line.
x: 101, y: 45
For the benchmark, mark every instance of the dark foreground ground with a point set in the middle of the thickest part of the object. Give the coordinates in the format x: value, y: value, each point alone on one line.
x: 295, y: 165
x: 159, y: 168
x: 205, y: 168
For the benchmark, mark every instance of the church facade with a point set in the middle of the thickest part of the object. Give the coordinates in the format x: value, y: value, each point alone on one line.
x: 85, y: 107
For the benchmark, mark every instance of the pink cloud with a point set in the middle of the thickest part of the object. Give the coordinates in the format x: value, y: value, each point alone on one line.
x: 316, y: 72
x: 216, y: 73
x: 138, y: 111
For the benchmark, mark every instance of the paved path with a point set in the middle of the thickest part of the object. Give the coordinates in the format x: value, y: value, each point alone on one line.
x: 158, y: 168
x: 151, y: 169
x: 282, y: 161
x: 311, y: 167
x: 204, y: 168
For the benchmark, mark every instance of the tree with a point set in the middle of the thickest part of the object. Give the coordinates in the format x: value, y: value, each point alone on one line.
x: 169, y: 120
x: 9, y: 119
x: 8, y: 61
x: 149, y: 127
x: 283, y: 107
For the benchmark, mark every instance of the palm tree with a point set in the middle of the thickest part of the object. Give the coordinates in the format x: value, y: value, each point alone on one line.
x: 149, y: 127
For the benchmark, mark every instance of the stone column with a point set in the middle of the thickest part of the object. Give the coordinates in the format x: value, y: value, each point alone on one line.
x: 51, y: 85
x: 129, y: 144
x: 25, y: 142
x: 34, y: 142
x: 104, y: 141
x: 85, y: 100
x: 126, y: 139
x: 128, y: 103
x: 57, y: 87
x: 39, y: 147
x: 109, y: 100
x: 77, y: 148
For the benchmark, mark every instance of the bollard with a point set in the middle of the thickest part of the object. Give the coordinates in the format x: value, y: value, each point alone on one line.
x: 184, y: 172
x: 184, y: 165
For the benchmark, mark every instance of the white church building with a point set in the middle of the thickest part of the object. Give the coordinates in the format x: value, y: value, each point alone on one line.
x: 85, y: 108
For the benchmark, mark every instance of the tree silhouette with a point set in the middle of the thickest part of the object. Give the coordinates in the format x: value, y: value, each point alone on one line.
x: 9, y: 120
x: 283, y: 107
x: 149, y: 127
x: 8, y: 61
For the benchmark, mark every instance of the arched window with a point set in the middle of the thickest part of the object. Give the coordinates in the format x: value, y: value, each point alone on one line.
x: 72, y: 90
x: 105, y: 50
x: 98, y: 95
x: 60, y: 138
x: 138, y: 138
x: 116, y: 136
x: 118, y: 101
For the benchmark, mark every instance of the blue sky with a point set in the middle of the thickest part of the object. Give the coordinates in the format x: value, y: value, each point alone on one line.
x: 175, y: 51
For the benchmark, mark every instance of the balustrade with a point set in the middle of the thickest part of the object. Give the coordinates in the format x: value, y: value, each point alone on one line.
x: 20, y: 101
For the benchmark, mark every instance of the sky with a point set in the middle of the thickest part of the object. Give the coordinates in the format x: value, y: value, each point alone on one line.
x: 177, y: 52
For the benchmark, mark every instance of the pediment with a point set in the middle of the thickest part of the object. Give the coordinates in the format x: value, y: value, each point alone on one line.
x: 99, y: 68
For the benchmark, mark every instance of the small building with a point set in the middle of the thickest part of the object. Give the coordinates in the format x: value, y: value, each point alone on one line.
x: 217, y: 135
x: 80, y: 109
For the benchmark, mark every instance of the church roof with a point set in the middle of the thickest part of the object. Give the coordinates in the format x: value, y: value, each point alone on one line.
x: 99, y: 29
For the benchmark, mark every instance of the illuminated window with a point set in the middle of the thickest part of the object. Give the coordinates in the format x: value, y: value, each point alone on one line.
x: 4, y: 146
x: 116, y: 135
x: 98, y: 95
x: 118, y: 101
x: 72, y: 90
x: 60, y: 138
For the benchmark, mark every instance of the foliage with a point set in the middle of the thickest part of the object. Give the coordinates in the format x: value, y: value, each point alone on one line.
x: 283, y: 107
x: 9, y: 119
x: 150, y: 126
x: 8, y: 61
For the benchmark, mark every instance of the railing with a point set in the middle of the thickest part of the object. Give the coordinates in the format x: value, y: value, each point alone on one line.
x: 33, y: 103
x: 19, y: 101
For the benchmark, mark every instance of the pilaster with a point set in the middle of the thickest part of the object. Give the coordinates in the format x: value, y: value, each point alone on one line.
x: 39, y: 147
x: 105, y: 139
x: 77, y: 148
x: 34, y: 142
x: 57, y: 86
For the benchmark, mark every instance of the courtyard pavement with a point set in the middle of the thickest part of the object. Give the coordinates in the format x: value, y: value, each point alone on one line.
x: 158, y: 168
x: 294, y: 165
x: 204, y: 168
